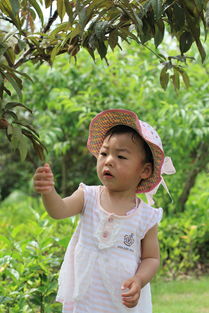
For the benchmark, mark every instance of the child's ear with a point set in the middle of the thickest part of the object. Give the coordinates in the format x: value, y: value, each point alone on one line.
x: 147, y: 171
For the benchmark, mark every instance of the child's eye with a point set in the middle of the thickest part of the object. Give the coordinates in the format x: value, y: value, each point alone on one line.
x: 103, y: 153
x: 122, y: 157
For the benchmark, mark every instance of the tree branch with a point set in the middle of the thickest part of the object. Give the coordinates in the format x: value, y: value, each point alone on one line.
x: 2, y: 17
x: 24, y: 58
x: 50, y: 22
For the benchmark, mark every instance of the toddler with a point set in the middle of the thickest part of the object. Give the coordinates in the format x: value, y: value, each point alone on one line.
x: 114, y: 252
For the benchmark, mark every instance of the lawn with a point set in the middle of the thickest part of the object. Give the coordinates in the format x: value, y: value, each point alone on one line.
x: 182, y: 296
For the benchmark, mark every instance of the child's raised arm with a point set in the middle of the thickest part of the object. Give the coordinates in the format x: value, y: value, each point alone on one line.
x: 56, y: 206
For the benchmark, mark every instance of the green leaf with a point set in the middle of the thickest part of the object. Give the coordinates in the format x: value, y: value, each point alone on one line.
x: 48, y: 3
x: 113, y: 39
x: 159, y: 33
x: 8, y: 10
x: 7, y: 90
x: 11, y: 113
x: 54, y: 52
x: 69, y: 11
x: 76, y: 31
x: 185, y: 78
x: 61, y: 8
x: 21, y: 123
x: 164, y: 78
x: 14, y: 273
x: 83, y: 17
x: 14, y: 84
x: 201, y: 49
x: 200, y: 4
x: 138, y: 23
x: 91, y: 52
x: 38, y: 10
x: 100, y: 29
x: 175, y: 78
x: 178, y: 17
x: 23, y: 148
x: 102, y: 49
x: 63, y: 27
x: 147, y: 33
x: 10, y: 56
x: 39, y: 150
x: 24, y: 75
x: 16, y: 137
x: 207, y: 15
x: 186, y: 40
x: 15, y: 5
x: 157, y: 8
x: 18, y: 229
x: 11, y: 105
x: 5, y: 240
x: 9, y: 130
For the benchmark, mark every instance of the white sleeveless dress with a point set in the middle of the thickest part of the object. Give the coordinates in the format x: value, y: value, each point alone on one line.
x: 104, y: 251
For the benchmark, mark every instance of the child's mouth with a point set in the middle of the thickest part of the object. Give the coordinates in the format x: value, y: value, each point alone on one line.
x: 107, y: 174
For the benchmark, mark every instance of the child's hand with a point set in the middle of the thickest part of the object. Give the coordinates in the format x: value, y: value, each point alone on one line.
x: 130, y: 298
x: 43, y: 179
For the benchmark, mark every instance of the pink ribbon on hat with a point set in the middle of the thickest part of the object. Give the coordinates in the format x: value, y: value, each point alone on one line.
x: 168, y: 169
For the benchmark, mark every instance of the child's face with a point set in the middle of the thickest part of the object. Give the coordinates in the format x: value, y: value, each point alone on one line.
x: 121, y: 163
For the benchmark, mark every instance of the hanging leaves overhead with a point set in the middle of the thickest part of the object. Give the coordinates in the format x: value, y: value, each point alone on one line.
x: 97, y: 26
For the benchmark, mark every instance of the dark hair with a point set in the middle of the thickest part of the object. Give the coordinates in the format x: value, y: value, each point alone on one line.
x: 123, y: 129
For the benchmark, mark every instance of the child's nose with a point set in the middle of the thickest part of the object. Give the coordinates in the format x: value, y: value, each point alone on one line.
x: 109, y: 160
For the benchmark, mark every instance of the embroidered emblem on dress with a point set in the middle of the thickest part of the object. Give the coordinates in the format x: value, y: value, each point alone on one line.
x: 129, y: 240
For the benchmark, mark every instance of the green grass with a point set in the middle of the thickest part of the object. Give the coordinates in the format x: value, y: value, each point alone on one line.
x: 182, y: 296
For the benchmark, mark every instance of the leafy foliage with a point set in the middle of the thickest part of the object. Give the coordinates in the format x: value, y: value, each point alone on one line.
x: 65, y: 98
x: 31, y: 255
x: 184, y: 237
x: 96, y: 25
x: 33, y: 245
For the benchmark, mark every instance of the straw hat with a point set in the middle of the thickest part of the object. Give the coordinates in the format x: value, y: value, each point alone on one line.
x: 105, y: 120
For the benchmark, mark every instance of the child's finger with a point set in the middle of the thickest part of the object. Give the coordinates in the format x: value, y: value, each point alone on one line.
x: 41, y: 175
x: 47, y: 167
x: 43, y: 169
x: 130, y: 305
x: 43, y: 186
x: 127, y: 284
x: 130, y: 299
x: 40, y: 188
x: 41, y: 183
x: 43, y: 190
x: 39, y: 179
x: 131, y: 292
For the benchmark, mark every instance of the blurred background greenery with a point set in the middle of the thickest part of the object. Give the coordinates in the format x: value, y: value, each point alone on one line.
x: 64, y: 99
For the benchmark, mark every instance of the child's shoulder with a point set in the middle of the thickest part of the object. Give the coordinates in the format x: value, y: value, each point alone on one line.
x: 89, y: 187
x: 90, y: 190
x: 150, y: 212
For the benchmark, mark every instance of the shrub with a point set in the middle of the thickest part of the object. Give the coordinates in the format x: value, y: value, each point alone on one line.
x: 184, y: 238
x: 30, y: 258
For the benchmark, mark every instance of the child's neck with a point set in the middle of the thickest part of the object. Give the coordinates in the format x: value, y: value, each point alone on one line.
x: 117, y: 202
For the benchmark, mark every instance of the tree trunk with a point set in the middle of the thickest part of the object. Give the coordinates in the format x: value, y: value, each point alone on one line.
x: 200, y: 164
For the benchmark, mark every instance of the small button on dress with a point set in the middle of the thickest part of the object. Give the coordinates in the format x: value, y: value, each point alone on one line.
x: 110, y: 219
x: 105, y: 234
